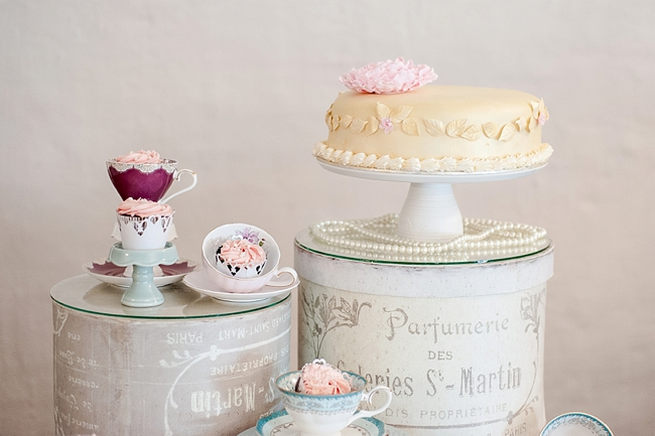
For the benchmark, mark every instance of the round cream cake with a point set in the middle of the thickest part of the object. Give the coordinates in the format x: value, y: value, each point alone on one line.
x: 436, y: 129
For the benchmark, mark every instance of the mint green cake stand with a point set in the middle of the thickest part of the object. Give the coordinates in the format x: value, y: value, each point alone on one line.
x: 142, y: 292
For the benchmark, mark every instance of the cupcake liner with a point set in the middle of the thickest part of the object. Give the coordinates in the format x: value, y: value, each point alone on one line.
x: 144, y: 233
x: 239, y: 271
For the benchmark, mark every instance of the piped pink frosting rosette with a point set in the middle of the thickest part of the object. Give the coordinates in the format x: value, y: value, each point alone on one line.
x: 140, y: 157
x: 144, y: 224
x: 241, y: 255
x: 143, y: 208
x: 388, y: 77
x: 321, y: 378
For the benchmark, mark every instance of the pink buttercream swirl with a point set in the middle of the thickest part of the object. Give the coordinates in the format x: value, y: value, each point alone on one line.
x: 388, y: 77
x: 143, y: 208
x: 320, y: 378
x: 241, y: 253
x: 140, y: 157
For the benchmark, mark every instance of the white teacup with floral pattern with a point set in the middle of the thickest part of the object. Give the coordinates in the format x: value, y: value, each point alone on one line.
x: 327, y: 415
x: 244, y: 280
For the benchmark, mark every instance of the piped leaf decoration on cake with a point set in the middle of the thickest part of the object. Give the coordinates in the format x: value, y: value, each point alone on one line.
x: 410, y: 126
x: 434, y: 127
x: 401, y: 113
x: 384, y: 117
x: 329, y: 119
x: 539, y: 114
x: 345, y: 121
x: 455, y: 128
x: 328, y: 115
x: 532, y: 123
x: 382, y: 111
x: 358, y: 125
x: 520, y: 123
x: 471, y: 133
x: 371, y: 125
x: 336, y: 121
x: 490, y: 130
x: 507, y: 132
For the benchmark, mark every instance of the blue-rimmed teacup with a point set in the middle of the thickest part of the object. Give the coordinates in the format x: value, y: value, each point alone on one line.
x: 327, y: 415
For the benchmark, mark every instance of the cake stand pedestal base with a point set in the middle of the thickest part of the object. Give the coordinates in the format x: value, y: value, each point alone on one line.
x: 142, y: 292
x: 430, y: 213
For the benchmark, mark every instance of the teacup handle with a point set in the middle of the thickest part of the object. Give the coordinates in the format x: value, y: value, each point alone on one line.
x: 367, y: 398
x: 176, y: 177
x: 278, y: 273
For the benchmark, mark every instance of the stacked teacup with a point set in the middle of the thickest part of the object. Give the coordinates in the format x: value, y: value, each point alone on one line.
x: 142, y: 178
x: 145, y: 221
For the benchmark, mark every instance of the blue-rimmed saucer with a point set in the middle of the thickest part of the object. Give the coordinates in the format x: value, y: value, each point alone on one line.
x: 576, y: 424
x: 281, y: 424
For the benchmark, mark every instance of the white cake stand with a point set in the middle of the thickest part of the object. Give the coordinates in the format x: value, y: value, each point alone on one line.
x: 430, y: 212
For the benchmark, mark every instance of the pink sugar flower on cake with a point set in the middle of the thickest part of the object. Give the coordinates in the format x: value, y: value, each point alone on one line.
x: 140, y: 157
x: 388, y: 77
x: 321, y: 378
x: 387, y: 125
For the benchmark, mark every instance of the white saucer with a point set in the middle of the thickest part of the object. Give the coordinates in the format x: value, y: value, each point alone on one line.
x: 199, y: 282
x: 576, y: 424
x: 107, y: 272
x: 281, y: 424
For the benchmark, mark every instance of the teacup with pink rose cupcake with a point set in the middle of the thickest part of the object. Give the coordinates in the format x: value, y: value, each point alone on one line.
x: 243, y: 255
x: 145, y: 174
x: 323, y: 400
x: 242, y: 258
x: 144, y: 224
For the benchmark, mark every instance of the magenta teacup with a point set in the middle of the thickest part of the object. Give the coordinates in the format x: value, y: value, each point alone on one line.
x: 142, y: 178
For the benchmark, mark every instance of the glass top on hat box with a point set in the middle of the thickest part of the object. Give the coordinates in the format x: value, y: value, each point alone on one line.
x: 86, y: 294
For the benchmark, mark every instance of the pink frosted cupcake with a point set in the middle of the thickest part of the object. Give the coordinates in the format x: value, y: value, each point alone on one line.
x: 144, y: 224
x: 140, y: 157
x: 241, y: 258
x: 321, y: 378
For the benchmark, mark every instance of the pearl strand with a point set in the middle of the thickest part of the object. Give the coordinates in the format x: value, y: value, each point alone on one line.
x: 483, y: 239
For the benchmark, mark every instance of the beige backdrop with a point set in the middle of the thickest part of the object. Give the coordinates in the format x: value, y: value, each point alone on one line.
x: 237, y: 91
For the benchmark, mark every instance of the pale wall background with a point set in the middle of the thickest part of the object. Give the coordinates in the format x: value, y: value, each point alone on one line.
x: 237, y: 91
